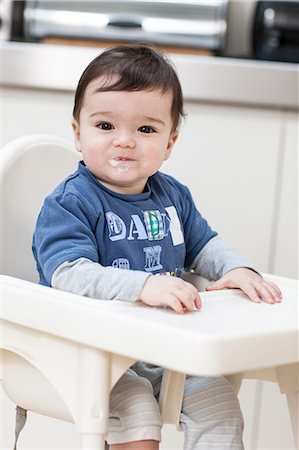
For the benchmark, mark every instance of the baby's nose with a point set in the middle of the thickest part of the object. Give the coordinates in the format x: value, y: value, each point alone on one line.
x: 124, y: 140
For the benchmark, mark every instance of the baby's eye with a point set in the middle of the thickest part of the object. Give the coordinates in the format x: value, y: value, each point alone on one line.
x: 146, y: 129
x: 105, y: 126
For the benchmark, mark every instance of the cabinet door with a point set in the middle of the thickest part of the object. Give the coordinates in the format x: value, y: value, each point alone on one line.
x: 285, y: 258
x: 32, y: 111
x: 228, y: 157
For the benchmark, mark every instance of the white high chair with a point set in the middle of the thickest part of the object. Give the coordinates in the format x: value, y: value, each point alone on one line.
x: 53, y: 364
x: 43, y: 371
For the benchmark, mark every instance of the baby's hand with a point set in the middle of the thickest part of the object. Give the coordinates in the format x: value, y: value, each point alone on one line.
x: 174, y: 292
x: 251, y: 284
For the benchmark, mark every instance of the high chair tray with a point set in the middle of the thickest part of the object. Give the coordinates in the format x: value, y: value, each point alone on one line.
x: 230, y: 334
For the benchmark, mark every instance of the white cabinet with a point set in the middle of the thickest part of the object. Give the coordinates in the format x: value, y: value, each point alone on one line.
x: 33, y: 111
x: 285, y: 257
x: 229, y: 157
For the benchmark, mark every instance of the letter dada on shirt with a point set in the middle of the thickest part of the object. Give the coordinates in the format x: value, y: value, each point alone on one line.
x: 153, y: 226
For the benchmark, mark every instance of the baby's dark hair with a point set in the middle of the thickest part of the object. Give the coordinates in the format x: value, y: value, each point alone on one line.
x: 136, y: 68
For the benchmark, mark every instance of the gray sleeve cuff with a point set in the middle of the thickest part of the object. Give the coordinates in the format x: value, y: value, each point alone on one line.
x: 90, y: 279
x: 216, y: 258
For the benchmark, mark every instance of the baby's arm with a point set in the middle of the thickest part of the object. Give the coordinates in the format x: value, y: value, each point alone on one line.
x: 216, y: 258
x: 88, y: 278
x: 218, y: 261
x: 85, y: 277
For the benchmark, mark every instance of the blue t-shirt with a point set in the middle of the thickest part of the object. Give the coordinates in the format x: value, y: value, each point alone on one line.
x: 157, y: 231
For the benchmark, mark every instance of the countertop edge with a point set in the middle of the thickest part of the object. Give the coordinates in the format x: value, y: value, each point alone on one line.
x: 203, y: 78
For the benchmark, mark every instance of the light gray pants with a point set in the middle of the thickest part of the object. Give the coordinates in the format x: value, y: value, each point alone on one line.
x: 210, y: 417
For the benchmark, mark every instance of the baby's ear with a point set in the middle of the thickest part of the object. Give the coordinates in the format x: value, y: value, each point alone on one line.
x: 171, y: 141
x: 76, y: 131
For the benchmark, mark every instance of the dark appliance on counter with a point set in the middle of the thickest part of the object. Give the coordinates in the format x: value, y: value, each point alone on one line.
x: 276, y: 31
x: 197, y: 24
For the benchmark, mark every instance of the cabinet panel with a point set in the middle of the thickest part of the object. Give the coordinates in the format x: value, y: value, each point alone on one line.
x: 29, y: 111
x: 273, y: 429
x: 285, y: 258
x: 228, y: 157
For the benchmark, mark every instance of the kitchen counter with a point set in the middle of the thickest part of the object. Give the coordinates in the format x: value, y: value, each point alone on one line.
x: 204, y: 78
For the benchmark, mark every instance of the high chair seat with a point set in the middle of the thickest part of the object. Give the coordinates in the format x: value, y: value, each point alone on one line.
x: 73, y: 379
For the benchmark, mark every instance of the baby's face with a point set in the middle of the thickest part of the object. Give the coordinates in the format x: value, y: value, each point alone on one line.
x: 124, y: 136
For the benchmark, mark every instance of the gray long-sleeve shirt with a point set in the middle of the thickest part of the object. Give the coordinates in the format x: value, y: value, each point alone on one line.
x: 85, y: 277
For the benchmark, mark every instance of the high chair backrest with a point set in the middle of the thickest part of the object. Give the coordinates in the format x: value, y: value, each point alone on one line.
x: 31, y: 167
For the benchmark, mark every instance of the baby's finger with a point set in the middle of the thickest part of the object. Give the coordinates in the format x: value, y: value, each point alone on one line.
x: 251, y: 292
x: 217, y: 285
x: 186, y: 297
x: 196, y: 296
x: 173, y: 302
x: 276, y: 292
x: 264, y: 292
x: 197, y: 301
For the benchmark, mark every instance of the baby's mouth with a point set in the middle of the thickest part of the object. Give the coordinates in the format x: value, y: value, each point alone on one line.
x: 121, y: 163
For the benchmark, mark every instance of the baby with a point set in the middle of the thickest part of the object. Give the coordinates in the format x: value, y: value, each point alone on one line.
x: 119, y: 229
